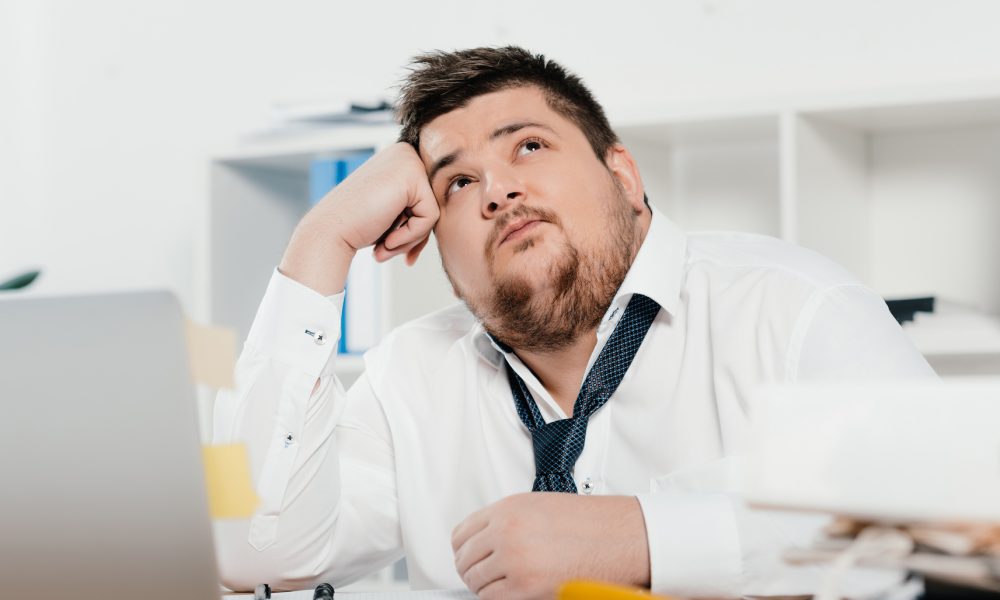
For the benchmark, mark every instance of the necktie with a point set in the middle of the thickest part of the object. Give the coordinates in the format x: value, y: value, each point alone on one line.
x: 558, y: 444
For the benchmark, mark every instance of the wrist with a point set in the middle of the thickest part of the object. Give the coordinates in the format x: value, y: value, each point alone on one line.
x: 626, y: 530
x: 318, y: 258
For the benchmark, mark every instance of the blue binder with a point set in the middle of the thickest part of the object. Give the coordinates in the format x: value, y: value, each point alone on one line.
x: 324, y: 175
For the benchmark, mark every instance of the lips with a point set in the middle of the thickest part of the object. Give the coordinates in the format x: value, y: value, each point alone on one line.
x: 516, y: 228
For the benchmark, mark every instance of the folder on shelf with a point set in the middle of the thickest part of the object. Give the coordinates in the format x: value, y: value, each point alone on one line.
x: 360, y: 323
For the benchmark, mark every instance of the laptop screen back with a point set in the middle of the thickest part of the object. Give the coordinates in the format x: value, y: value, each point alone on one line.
x: 103, y: 489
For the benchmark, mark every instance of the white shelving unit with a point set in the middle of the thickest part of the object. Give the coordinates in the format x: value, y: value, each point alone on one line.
x: 900, y: 186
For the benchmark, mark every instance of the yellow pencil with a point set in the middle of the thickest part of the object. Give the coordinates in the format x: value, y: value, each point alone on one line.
x: 594, y: 590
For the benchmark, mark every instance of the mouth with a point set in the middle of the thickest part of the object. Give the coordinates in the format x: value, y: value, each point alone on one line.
x: 518, y: 229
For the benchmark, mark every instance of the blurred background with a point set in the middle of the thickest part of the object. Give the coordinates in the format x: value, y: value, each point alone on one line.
x: 130, y: 132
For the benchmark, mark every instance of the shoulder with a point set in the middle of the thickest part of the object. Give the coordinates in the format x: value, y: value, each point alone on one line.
x: 440, y: 326
x: 731, y: 255
x: 421, y: 343
x: 776, y: 286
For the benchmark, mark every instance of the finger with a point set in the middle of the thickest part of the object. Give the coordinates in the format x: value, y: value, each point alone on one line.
x: 413, y: 229
x: 383, y: 254
x: 472, y: 524
x: 414, y: 252
x: 422, y: 214
x: 396, y: 224
x: 498, y: 589
x: 474, y: 550
x: 483, y: 573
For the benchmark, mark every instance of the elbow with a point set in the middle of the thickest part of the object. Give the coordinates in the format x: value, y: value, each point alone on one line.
x: 242, y: 567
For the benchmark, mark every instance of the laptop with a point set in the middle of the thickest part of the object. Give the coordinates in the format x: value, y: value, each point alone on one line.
x: 917, y: 451
x: 103, y: 492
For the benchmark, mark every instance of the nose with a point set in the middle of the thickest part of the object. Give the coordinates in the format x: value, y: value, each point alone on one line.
x: 503, y: 189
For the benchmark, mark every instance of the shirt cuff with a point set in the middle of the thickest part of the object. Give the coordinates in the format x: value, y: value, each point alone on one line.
x: 694, y: 544
x: 297, y: 326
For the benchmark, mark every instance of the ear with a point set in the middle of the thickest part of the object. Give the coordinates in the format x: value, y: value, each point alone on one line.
x: 622, y: 166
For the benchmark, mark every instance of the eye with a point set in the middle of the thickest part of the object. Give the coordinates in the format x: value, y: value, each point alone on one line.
x: 530, y: 145
x: 456, y: 185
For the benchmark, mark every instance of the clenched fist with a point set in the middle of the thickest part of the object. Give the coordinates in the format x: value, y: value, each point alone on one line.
x: 527, y: 545
x: 387, y: 202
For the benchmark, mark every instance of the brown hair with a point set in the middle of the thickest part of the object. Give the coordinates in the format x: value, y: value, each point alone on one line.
x: 440, y: 82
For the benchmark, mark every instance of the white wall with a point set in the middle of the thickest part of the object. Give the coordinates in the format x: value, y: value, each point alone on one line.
x: 110, y: 108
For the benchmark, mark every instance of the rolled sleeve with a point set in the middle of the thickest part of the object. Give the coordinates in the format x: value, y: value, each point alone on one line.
x: 694, y: 543
x: 298, y: 326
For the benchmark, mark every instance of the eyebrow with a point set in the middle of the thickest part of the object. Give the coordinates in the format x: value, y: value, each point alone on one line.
x: 499, y: 132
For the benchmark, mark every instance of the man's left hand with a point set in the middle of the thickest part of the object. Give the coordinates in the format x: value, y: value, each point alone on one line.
x: 527, y: 545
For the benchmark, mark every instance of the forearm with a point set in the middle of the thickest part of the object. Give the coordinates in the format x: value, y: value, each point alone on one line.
x: 317, y: 256
x: 622, y: 555
x: 293, y: 466
x: 306, y: 523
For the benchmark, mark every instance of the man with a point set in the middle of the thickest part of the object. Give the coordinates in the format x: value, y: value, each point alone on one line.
x: 602, y: 358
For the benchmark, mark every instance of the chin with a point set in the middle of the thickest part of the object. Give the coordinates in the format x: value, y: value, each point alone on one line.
x: 541, y: 272
x: 529, y: 255
x: 535, y: 276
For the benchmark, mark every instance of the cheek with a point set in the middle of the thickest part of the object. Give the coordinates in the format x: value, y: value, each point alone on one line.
x: 585, y: 206
x: 462, y: 252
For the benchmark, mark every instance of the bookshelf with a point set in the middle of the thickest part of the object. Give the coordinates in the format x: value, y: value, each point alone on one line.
x: 901, y: 186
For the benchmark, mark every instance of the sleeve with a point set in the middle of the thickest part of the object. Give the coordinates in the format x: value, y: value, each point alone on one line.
x: 705, y: 542
x: 846, y: 333
x: 703, y: 539
x: 321, y: 458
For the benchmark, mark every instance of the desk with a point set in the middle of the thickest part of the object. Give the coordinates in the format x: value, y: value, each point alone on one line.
x: 421, y: 595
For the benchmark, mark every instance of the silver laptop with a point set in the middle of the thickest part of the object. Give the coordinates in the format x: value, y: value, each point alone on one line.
x: 101, y: 483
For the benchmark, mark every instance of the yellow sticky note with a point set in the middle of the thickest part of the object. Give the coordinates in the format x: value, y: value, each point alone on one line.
x: 212, y: 354
x: 594, y: 590
x: 227, y: 479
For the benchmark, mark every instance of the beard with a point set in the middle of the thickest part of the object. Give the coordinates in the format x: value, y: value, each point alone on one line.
x: 579, y: 285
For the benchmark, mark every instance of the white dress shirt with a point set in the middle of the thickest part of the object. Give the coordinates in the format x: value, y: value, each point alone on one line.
x: 351, y: 481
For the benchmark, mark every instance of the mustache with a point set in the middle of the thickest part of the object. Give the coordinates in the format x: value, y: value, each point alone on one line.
x: 521, y: 211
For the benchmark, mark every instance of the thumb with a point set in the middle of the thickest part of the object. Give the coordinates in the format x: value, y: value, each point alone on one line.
x: 414, y: 252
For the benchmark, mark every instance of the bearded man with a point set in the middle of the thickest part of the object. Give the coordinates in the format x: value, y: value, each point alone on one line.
x: 582, y: 413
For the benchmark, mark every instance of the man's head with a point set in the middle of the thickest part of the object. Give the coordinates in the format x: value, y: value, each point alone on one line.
x: 440, y: 82
x: 541, y: 208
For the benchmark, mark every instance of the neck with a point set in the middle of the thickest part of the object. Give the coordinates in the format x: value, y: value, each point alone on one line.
x: 561, y: 371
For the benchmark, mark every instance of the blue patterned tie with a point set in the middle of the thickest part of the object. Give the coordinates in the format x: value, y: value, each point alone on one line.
x: 558, y: 444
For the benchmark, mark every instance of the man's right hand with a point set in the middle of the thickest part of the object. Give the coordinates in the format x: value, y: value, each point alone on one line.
x: 390, y: 190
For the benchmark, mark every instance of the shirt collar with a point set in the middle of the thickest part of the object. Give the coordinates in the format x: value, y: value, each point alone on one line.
x: 657, y: 272
x: 658, y: 269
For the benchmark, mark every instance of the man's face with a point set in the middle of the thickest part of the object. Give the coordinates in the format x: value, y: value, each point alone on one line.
x: 530, y: 217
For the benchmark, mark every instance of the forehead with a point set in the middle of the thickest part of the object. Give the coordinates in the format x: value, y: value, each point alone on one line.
x: 473, y: 123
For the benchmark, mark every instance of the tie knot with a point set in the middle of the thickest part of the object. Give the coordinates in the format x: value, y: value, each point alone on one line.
x: 558, y: 444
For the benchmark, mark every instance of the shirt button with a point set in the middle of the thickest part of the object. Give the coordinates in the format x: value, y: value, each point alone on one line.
x: 588, y: 486
x: 318, y: 336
